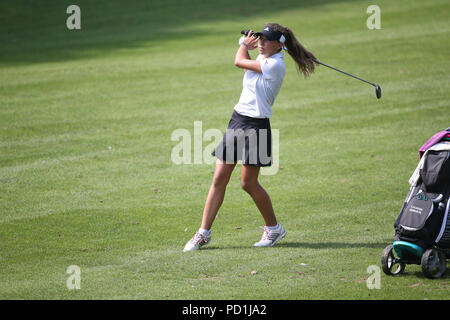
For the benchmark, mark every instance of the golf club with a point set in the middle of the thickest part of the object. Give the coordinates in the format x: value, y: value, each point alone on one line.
x: 377, y: 87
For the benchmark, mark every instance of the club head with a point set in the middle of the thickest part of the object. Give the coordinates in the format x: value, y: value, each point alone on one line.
x: 378, y: 91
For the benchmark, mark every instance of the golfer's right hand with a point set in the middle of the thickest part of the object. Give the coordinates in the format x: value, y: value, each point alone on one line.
x: 251, y: 41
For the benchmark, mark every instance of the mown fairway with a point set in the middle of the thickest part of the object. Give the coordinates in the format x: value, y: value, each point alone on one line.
x: 86, y: 176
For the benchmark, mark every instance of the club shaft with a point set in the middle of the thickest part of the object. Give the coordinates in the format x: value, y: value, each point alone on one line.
x: 345, y: 73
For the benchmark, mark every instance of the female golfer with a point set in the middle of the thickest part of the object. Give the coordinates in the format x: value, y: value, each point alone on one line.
x: 248, y: 137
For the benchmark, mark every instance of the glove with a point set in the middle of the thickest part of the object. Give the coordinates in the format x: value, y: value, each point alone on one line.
x: 241, y: 40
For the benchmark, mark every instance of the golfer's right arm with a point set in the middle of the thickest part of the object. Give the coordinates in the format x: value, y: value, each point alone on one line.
x: 243, y: 59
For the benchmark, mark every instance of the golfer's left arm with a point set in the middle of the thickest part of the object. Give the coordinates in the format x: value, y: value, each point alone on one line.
x: 242, y: 59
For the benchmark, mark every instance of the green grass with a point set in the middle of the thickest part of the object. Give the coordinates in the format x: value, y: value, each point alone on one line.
x: 86, y: 176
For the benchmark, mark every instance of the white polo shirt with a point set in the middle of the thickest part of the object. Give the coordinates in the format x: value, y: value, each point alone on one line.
x: 260, y: 89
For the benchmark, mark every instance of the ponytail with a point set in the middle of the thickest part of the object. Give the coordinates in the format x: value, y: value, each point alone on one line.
x: 303, y: 58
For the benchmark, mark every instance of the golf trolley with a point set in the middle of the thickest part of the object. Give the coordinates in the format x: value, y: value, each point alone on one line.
x: 422, y: 229
x: 396, y: 256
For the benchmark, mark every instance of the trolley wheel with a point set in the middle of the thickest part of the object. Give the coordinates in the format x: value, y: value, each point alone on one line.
x: 390, y: 263
x: 433, y: 263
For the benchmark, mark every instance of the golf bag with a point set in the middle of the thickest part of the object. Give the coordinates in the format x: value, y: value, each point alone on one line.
x: 424, y: 218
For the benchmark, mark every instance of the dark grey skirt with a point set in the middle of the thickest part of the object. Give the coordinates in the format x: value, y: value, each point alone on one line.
x: 247, y: 139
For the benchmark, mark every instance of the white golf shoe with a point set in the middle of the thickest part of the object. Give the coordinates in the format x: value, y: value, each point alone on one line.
x: 270, y: 236
x: 197, y: 241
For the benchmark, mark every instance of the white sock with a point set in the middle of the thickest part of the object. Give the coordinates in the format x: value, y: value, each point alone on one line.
x: 205, y: 232
x: 273, y: 227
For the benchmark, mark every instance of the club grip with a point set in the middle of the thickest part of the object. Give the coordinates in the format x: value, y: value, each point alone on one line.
x: 245, y: 32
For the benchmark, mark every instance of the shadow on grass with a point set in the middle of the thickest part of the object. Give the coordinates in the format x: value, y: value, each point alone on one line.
x: 36, y: 31
x: 331, y: 245
x: 310, y: 245
x: 421, y: 276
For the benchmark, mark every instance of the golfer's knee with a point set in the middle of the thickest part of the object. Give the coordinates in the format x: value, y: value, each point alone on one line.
x: 220, y: 180
x: 249, y: 185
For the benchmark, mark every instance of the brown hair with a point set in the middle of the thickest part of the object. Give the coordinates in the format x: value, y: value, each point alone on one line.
x: 303, y: 58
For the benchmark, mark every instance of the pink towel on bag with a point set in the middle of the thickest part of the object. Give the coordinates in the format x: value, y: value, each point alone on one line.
x: 432, y: 141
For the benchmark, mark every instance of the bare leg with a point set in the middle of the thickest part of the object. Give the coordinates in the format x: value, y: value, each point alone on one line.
x: 216, y: 192
x: 249, y: 182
